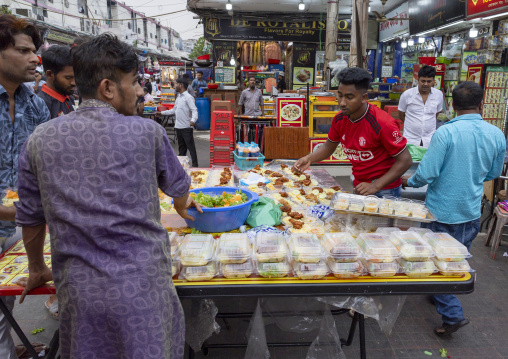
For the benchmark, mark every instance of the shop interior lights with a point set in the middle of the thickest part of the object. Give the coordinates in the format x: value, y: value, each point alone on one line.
x: 410, y: 42
x: 301, y: 6
x: 403, y: 44
x: 473, y: 32
x: 229, y: 6
x: 232, y: 62
x: 421, y: 40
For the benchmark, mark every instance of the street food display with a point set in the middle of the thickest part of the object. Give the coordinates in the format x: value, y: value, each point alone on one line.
x: 9, y: 197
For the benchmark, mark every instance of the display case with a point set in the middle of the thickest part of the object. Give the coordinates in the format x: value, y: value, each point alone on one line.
x: 168, y: 95
x: 321, y: 114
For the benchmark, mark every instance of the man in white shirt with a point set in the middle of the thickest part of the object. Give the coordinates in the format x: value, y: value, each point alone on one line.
x: 186, y: 116
x: 419, y: 107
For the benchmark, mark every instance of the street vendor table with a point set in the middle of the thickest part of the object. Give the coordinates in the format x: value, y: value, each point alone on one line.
x: 166, y: 121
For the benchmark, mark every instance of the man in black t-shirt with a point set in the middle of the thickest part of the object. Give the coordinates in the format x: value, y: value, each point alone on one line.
x: 281, y: 85
x: 58, y: 90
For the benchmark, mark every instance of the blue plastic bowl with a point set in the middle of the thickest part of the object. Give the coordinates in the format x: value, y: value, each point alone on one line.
x: 221, y: 219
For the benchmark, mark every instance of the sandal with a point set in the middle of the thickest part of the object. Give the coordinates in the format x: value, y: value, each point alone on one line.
x: 447, y: 329
x: 52, y: 309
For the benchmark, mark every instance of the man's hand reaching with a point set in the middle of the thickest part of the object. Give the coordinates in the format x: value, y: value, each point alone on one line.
x: 36, y: 278
x: 181, y: 209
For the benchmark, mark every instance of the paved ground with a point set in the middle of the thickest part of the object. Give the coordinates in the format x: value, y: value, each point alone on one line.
x: 485, y: 338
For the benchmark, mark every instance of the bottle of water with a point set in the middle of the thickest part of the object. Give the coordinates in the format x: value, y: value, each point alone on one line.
x: 252, y: 150
x: 239, y: 149
x: 246, y: 151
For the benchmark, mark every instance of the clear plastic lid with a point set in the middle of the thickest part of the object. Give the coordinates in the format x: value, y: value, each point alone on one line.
x: 341, y: 247
x: 196, y: 249
x: 237, y: 270
x: 382, y: 270
x: 270, y: 247
x: 387, y: 230
x: 377, y: 247
x: 420, y: 230
x: 340, y: 201
x: 273, y: 270
x: 386, y: 205
x: 446, y: 247
x: 305, y: 247
x: 356, y: 203
x: 371, y: 204
x: 411, y: 246
x: 175, y: 267
x: 200, y: 273
x: 452, y: 268
x: 418, y: 269
x: 310, y: 270
x: 346, y: 270
x: 173, y: 240
x: 233, y: 248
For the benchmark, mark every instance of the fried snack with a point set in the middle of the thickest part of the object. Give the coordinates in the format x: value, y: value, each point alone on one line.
x: 319, y: 189
x: 302, y: 192
x: 295, y: 215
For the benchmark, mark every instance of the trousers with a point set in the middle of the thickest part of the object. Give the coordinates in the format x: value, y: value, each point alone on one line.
x: 185, y: 137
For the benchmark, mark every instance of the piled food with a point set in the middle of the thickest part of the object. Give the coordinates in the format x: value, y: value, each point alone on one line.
x: 10, y: 196
x: 185, y: 162
x: 222, y: 177
x: 224, y: 200
x: 198, y: 178
x: 166, y: 203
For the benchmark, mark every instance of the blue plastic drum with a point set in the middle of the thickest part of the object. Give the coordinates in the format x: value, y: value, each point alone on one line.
x: 221, y: 219
x: 203, y: 105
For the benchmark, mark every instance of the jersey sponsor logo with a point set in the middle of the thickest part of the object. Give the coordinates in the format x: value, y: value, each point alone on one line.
x: 362, y: 141
x: 358, y: 155
x: 398, y: 137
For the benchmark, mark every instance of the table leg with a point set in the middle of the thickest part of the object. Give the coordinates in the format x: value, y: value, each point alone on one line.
x: 17, y: 329
x: 363, y: 351
x: 352, y: 330
x: 54, y: 344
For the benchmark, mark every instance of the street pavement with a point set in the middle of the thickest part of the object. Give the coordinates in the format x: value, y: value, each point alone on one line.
x: 486, y: 337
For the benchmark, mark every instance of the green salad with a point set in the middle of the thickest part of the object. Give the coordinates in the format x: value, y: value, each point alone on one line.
x: 224, y: 200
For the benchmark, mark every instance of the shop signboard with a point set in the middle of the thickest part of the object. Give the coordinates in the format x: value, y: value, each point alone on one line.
x: 428, y: 15
x: 337, y: 157
x: 250, y: 30
x: 475, y: 73
x: 304, y: 63
x: 389, y: 29
x: 60, y: 37
x: 225, y: 75
x: 290, y: 112
x: 475, y: 8
x: 224, y: 51
x: 172, y: 63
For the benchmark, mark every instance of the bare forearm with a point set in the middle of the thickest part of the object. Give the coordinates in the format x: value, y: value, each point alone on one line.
x: 7, y: 213
x: 402, y: 163
x: 180, y: 202
x: 33, y: 238
x: 402, y: 116
x: 323, y: 152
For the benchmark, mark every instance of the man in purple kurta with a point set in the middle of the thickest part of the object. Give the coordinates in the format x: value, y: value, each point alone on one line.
x: 93, y: 176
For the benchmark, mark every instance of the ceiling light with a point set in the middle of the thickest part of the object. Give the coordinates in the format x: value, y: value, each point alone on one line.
x: 232, y: 62
x: 301, y: 6
x: 369, y: 8
x: 473, y: 32
x: 421, y: 40
x: 410, y: 42
x: 454, y: 40
x: 403, y: 44
x: 493, y: 16
x: 425, y: 32
x: 229, y: 6
x: 452, y: 24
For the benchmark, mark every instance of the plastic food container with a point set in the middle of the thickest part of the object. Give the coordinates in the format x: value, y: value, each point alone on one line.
x: 418, y: 269
x: 270, y: 247
x: 382, y: 270
x: 454, y: 269
x: 173, y: 240
x: 411, y: 246
x: 377, y: 248
x: 241, y: 270
x: 233, y: 248
x: 419, y: 212
x: 200, y: 273
x: 371, y: 204
x: 340, y: 201
x: 310, y: 270
x: 196, y: 249
x: 420, y: 230
x: 175, y: 267
x: 221, y: 219
x: 341, y: 247
x: 356, y: 203
x: 402, y: 208
x: 346, y: 270
x: 387, y: 230
x: 446, y: 247
x: 305, y: 247
x: 274, y: 270
x: 387, y: 204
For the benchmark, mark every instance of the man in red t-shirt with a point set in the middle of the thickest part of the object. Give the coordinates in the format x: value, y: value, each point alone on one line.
x: 370, y: 138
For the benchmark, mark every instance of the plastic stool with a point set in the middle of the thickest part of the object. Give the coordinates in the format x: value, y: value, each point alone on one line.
x: 499, y: 220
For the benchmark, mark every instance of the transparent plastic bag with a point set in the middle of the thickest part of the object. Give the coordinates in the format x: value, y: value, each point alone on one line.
x: 200, y: 324
x: 257, y: 347
x: 327, y: 344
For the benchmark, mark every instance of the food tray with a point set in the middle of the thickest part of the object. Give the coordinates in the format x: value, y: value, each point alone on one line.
x: 346, y: 270
x: 310, y: 271
x: 233, y: 248
x: 341, y: 247
x: 237, y: 270
x: 270, y: 247
x: 273, y: 270
x: 196, y: 249
x: 305, y: 247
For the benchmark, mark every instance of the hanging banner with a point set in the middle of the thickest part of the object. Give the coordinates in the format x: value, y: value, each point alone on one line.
x: 393, y: 28
x: 224, y: 51
x: 235, y: 29
x: 428, y: 15
x: 482, y: 7
x: 304, y: 62
x: 60, y: 36
x: 172, y: 63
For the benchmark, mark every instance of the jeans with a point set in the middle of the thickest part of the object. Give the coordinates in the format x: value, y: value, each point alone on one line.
x: 185, y: 138
x: 449, y: 305
x: 395, y: 192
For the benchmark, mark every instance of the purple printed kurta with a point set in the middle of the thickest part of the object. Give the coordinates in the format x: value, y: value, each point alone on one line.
x: 93, y: 177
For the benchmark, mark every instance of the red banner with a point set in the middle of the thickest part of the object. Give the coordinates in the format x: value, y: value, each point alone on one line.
x: 477, y: 7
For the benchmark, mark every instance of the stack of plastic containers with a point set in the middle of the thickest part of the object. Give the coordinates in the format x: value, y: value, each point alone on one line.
x: 415, y: 254
x: 175, y: 263
x: 234, y: 255
x: 196, y: 257
x: 450, y: 254
x: 308, y: 256
x: 271, y: 255
x: 344, y: 255
x: 380, y: 255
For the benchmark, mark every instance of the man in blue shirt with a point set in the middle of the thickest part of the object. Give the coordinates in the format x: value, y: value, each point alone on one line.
x: 21, y: 110
x: 198, y: 82
x: 463, y: 154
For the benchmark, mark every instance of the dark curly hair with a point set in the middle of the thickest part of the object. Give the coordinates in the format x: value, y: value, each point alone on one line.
x: 103, y: 57
x: 427, y: 71
x: 355, y: 76
x: 11, y: 26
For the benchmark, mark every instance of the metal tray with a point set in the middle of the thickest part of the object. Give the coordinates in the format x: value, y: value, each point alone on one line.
x: 430, y: 216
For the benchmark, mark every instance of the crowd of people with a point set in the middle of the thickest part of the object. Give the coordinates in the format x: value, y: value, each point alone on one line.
x: 91, y: 175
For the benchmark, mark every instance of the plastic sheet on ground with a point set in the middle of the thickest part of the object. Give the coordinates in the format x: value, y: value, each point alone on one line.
x: 257, y: 347
x: 200, y: 324
x: 327, y: 343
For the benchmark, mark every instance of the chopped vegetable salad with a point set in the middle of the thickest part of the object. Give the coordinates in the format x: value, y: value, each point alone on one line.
x: 224, y: 200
